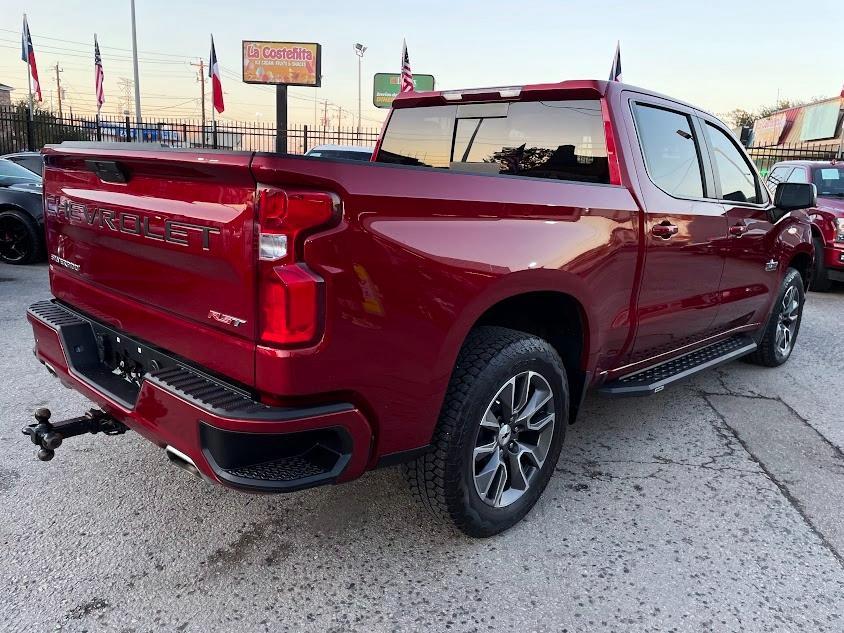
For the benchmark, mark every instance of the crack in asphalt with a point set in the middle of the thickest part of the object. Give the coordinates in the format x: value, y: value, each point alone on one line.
x: 755, y: 395
x: 781, y: 486
x: 732, y: 443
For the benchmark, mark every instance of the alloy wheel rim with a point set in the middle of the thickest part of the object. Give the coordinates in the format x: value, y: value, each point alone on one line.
x: 14, y: 246
x: 787, y: 322
x: 513, y: 439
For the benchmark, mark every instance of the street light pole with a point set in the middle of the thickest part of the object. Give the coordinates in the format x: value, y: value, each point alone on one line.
x: 360, y: 49
x: 135, y: 62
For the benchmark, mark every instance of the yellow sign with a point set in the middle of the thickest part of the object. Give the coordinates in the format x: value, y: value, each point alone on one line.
x: 289, y: 63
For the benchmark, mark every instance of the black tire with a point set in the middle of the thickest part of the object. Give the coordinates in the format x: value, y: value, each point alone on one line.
x: 444, y: 479
x: 820, y: 276
x: 770, y: 353
x: 20, y: 240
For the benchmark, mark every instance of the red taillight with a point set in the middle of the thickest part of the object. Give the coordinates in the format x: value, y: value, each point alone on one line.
x: 290, y: 305
x: 612, y: 153
x: 290, y: 294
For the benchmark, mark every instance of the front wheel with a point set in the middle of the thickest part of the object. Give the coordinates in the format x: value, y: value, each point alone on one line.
x: 780, y: 334
x: 499, y: 434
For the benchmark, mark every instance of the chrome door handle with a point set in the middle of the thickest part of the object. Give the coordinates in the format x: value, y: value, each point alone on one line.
x: 737, y: 230
x: 664, y: 230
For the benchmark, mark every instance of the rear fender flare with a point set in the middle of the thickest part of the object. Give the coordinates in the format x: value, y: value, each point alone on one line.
x: 513, y: 285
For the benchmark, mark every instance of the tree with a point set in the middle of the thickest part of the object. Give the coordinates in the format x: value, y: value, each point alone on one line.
x: 739, y: 118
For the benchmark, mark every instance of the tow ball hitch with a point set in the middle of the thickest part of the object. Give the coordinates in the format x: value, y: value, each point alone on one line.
x: 48, y: 436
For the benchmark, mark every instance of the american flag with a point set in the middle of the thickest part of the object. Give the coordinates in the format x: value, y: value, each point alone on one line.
x: 28, y: 55
x: 406, y: 82
x: 98, y: 75
x: 615, y: 71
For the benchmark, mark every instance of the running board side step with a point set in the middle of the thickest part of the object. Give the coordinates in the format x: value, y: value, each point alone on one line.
x: 654, y: 379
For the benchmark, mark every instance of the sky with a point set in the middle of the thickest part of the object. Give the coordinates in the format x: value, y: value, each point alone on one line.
x: 718, y: 55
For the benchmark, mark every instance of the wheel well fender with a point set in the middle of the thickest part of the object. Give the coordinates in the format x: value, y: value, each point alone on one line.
x: 554, y: 312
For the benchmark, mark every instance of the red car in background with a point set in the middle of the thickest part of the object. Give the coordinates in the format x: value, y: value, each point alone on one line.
x: 827, y: 217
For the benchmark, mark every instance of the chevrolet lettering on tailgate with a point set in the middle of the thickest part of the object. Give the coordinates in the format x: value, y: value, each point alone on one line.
x: 169, y: 231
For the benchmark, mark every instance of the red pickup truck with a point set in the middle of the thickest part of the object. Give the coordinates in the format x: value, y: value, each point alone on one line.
x: 827, y: 216
x: 277, y: 322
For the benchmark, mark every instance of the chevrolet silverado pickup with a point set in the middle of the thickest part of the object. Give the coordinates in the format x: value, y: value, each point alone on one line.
x: 277, y: 322
x: 827, y: 216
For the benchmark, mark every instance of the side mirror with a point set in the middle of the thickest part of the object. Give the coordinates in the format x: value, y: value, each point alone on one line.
x: 791, y: 196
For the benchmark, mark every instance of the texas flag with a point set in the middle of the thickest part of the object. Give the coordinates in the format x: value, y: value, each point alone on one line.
x: 28, y: 55
x: 216, y: 85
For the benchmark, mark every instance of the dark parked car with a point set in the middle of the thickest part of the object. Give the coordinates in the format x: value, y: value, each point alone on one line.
x: 827, y: 216
x: 28, y: 160
x: 21, y: 215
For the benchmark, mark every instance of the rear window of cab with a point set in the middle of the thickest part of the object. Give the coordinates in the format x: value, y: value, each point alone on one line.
x: 560, y: 140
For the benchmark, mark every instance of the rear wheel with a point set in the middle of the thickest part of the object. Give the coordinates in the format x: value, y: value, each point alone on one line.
x: 820, y: 275
x: 783, y: 325
x: 20, y: 240
x: 499, y: 434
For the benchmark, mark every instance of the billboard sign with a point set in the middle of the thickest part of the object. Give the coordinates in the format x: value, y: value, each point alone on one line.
x: 288, y: 63
x: 819, y: 121
x: 385, y: 87
x: 768, y: 131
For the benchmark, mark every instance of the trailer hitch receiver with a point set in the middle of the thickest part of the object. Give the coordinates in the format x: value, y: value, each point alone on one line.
x: 48, y: 436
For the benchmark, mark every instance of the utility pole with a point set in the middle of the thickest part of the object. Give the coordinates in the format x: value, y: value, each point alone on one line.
x: 201, y: 80
x: 59, y: 87
x: 135, y: 62
x: 325, y: 113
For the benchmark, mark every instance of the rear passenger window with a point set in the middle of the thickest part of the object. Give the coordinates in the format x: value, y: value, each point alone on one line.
x: 560, y: 140
x: 670, y: 151
x: 732, y: 170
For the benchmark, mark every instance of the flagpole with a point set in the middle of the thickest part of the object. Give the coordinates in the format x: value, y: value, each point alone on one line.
x: 97, y: 118
x: 28, y: 74
x: 213, y: 105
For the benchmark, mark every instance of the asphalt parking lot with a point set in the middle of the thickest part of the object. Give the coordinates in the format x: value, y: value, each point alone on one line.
x: 717, y: 505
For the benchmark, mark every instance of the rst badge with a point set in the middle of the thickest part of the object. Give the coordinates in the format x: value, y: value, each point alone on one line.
x: 64, y: 263
x: 225, y: 318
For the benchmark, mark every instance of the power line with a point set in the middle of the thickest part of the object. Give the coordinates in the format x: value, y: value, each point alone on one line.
x: 114, y: 48
x: 86, y: 55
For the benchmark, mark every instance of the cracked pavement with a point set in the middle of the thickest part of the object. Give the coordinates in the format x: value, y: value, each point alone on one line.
x: 715, y: 505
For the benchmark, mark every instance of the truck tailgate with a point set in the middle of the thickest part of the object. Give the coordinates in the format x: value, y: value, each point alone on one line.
x: 136, y: 230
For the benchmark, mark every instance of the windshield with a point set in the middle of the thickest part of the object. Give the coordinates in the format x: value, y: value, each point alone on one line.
x: 10, y: 173
x: 829, y: 181
x: 561, y: 140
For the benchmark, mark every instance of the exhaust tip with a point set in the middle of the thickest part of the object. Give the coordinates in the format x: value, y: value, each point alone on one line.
x: 180, y: 460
